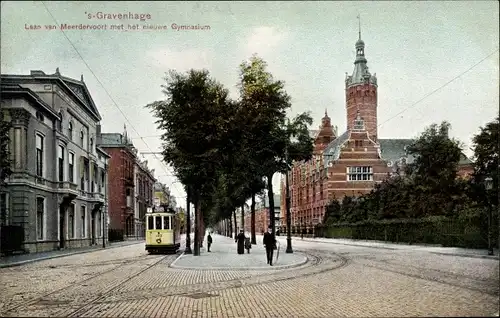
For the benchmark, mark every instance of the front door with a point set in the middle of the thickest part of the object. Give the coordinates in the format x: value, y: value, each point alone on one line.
x: 62, y: 222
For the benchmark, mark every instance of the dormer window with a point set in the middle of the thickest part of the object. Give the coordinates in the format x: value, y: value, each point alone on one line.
x: 70, y: 131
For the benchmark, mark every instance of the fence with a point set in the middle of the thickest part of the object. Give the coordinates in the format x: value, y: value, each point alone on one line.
x: 445, y: 232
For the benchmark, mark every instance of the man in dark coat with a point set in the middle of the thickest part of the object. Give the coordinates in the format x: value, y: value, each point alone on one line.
x: 209, y: 241
x: 270, y: 243
x: 240, y: 239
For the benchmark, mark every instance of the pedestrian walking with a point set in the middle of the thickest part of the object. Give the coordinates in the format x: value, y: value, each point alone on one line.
x: 209, y: 241
x: 270, y: 243
x: 240, y: 240
x: 248, y: 244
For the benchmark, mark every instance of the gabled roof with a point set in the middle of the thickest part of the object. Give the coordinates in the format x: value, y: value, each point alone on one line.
x: 394, y: 149
x: 77, y: 89
x: 332, y: 151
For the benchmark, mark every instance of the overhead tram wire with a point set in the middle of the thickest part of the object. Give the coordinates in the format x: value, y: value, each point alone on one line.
x: 439, y: 88
x: 165, y: 167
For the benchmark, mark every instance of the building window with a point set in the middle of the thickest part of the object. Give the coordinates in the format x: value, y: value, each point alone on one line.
x: 91, y: 144
x: 71, y: 221
x: 83, y: 220
x: 60, y: 163
x: 4, y: 209
x: 358, y: 143
x: 59, y: 122
x: 70, y: 131
x: 359, y: 174
x: 40, y: 214
x: 82, y: 136
x: 103, y: 177
x: 39, y: 155
x: 71, y: 167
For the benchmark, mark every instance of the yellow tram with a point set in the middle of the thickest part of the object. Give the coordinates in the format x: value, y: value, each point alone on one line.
x: 162, y: 232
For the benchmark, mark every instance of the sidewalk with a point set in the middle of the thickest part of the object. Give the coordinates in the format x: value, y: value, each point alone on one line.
x: 20, y: 259
x: 452, y: 251
x: 223, y: 256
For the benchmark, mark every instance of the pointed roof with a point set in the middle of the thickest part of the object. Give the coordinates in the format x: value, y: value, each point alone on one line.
x: 76, y: 89
x: 360, y: 74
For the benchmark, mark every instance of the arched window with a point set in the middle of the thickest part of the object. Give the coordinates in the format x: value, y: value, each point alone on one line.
x: 70, y: 130
x: 82, y: 135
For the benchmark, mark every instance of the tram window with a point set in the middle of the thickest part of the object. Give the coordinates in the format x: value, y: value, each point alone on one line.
x: 166, y: 223
x: 158, y: 223
x: 150, y: 223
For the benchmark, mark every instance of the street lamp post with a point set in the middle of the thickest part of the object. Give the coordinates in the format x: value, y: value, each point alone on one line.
x: 288, y: 214
x: 488, y: 184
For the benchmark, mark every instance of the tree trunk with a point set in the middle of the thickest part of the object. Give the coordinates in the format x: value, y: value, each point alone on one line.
x: 187, y: 249
x: 235, y: 224
x: 243, y: 217
x: 197, y: 207
x: 252, y: 221
x: 270, y: 194
x: 202, y: 228
x: 229, y: 227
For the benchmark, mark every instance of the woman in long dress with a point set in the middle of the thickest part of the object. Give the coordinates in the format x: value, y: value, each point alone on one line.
x: 240, y: 239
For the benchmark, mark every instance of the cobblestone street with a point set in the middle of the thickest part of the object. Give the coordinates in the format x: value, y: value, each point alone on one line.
x: 337, y: 280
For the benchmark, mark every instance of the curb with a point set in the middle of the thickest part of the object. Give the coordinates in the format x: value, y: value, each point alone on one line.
x: 496, y: 257
x: 62, y: 255
x: 305, y: 260
x: 356, y: 245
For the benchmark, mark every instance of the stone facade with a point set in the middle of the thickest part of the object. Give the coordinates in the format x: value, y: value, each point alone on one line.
x: 57, y: 191
x: 349, y: 164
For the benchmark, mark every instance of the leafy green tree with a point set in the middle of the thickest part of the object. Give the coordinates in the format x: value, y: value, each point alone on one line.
x: 5, y: 162
x: 193, y: 119
x: 268, y: 132
x: 486, y: 164
x: 333, y: 212
x: 434, y: 170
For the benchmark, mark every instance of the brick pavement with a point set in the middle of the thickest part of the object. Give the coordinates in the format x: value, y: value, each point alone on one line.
x: 223, y: 255
x: 131, y: 283
x: 20, y: 259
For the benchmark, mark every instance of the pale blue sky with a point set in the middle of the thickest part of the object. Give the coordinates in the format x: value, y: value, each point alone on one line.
x: 414, y: 47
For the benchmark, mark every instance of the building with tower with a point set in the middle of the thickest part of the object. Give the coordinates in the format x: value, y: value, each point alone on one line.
x: 350, y: 163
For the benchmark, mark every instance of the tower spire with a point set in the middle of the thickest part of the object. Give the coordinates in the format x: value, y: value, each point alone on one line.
x: 359, y: 26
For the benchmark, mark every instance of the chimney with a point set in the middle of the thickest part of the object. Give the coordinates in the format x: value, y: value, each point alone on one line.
x: 37, y: 73
x: 98, y: 134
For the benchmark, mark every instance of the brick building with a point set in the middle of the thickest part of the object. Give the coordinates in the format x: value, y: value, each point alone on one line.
x: 351, y: 163
x: 121, y: 180
x: 144, y: 188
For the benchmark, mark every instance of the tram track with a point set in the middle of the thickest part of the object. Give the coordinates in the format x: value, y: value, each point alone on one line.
x: 83, y: 282
x: 317, y: 264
